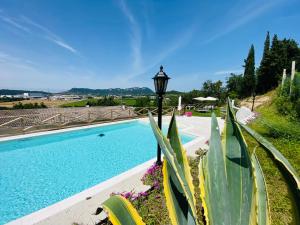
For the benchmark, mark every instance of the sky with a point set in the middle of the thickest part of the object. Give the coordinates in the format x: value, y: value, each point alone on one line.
x: 55, y: 45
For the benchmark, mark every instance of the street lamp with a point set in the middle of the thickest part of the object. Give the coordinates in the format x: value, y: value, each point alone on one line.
x: 160, y: 84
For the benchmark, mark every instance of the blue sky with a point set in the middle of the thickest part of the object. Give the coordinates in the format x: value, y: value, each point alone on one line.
x: 55, y: 45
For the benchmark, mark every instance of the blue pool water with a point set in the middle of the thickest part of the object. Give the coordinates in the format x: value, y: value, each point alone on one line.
x: 39, y: 171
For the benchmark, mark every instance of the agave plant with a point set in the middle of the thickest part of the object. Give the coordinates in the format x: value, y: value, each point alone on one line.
x: 232, y: 185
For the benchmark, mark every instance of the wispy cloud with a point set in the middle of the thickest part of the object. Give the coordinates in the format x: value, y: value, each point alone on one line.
x: 135, y: 37
x: 179, y: 41
x: 223, y: 72
x: 27, y: 25
x: 8, y: 59
x: 49, y: 35
x: 14, y: 23
x: 241, y: 15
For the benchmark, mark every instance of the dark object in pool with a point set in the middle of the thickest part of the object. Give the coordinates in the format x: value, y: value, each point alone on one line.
x: 101, y: 135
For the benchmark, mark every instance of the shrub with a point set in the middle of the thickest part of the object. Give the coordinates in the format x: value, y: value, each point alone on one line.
x: 297, y: 108
x: 283, y: 105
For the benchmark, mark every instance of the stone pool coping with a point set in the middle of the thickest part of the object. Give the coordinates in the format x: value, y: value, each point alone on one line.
x: 80, y: 207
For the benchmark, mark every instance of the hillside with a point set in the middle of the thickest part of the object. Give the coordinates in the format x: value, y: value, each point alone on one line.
x: 19, y: 92
x: 283, y: 132
x: 136, y: 91
x: 259, y: 100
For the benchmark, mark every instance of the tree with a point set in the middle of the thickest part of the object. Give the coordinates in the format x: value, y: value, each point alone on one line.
x: 278, y: 59
x: 249, y: 80
x: 274, y: 60
x: 234, y: 85
x: 214, y: 89
x: 187, y: 98
x: 263, y: 71
x: 142, y: 102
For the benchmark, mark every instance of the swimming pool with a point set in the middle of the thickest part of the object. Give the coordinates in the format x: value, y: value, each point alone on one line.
x: 39, y: 171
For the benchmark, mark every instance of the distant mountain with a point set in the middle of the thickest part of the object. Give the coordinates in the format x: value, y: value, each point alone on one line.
x: 173, y: 92
x: 20, y: 92
x: 136, y: 91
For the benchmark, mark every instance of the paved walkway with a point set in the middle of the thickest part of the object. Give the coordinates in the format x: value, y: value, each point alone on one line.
x: 79, y: 209
x: 196, y: 126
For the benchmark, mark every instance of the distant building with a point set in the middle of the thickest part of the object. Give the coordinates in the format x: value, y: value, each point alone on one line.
x: 66, y: 97
x: 36, y: 95
x: 6, y: 96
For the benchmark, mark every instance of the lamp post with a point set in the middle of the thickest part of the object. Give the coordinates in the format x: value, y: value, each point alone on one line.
x: 160, y: 84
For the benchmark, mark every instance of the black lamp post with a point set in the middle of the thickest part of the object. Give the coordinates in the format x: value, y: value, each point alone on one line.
x: 160, y: 84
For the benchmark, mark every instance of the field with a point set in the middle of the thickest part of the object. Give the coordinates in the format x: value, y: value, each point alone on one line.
x: 48, y: 103
x: 83, y: 103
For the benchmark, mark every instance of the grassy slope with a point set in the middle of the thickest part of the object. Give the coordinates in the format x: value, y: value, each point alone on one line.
x: 284, y: 134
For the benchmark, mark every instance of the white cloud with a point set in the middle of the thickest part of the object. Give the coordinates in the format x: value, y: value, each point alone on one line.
x: 26, y: 25
x: 63, y: 44
x: 15, y: 24
x: 136, y: 37
x: 12, y: 61
x: 224, y: 72
x: 241, y: 15
x: 49, y: 35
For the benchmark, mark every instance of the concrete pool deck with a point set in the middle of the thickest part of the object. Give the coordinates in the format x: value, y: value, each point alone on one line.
x: 79, y: 208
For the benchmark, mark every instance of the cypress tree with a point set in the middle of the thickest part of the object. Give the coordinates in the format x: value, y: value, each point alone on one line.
x: 266, y: 47
x: 249, y: 80
x: 263, y: 71
x: 278, y: 59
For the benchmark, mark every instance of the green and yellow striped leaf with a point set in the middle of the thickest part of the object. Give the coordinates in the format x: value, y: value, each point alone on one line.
x: 177, y: 205
x: 260, y: 192
x: 177, y: 186
x: 121, y: 212
x: 213, y: 182
x: 277, y: 156
x: 180, y: 153
x: 239, y: 171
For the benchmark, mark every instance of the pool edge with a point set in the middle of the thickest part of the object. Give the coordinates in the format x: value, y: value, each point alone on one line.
x: 37, y: 217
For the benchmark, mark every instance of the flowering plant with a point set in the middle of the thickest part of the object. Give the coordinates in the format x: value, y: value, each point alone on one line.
x: 153, y: 177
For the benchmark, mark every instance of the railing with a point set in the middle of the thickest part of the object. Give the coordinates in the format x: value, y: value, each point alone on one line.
x: 143, y: 111
x: 34, y: 119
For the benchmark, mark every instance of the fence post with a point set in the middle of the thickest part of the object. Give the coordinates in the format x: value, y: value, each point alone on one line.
x: 22, y: 123
x: 89, y: 116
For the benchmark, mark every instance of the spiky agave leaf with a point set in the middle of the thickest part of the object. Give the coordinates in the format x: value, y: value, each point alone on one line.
x: 213, y: 183
x: 177, y: 205
x: 277, y: 156
x: 121, y: 212
x: 176, y: 202
x: 239, y: 172
x: 226, y: 176
x: 180, y: 153
x: 176, y: 181
x: 261, y: 200
x: 259, y: 210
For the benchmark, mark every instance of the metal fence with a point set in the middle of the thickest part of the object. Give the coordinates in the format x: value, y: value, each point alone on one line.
x: 26, y: 120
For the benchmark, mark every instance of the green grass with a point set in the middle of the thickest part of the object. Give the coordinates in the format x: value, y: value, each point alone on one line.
x: 127, y: 101
x: 81, y: 103
x: 283, y: 133
x: 206, y: 114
